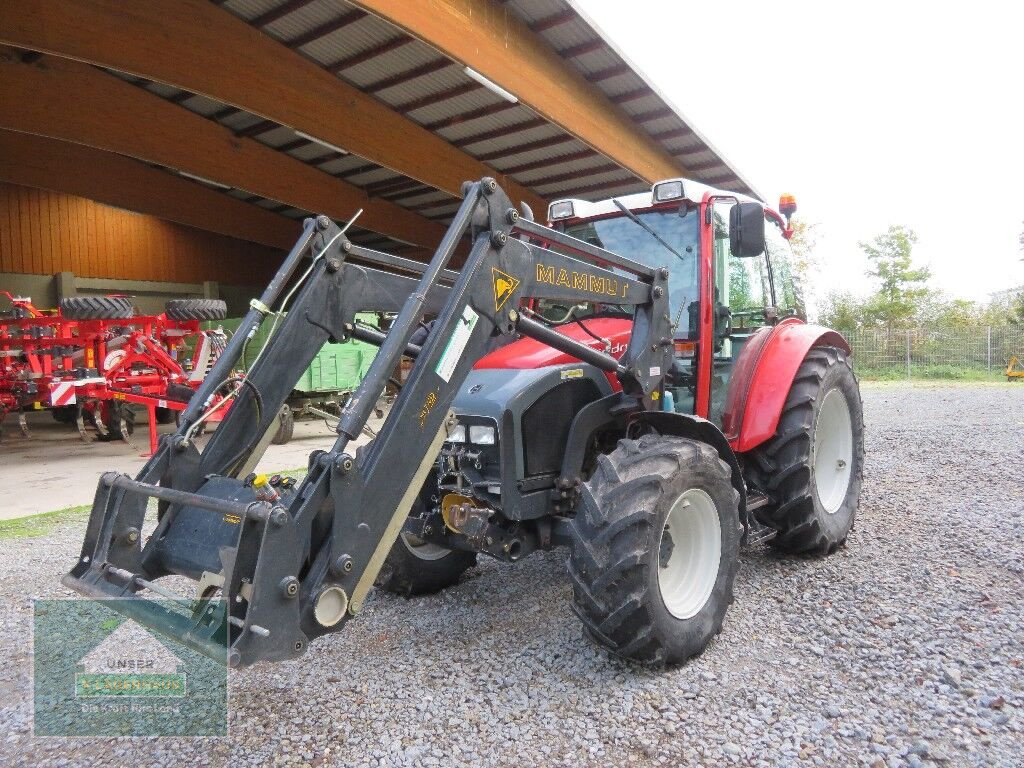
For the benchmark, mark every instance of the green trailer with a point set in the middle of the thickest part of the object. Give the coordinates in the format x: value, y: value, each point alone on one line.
x: 324, y: 386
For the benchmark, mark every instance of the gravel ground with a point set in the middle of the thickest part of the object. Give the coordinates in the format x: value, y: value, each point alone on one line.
x: 904, y: 648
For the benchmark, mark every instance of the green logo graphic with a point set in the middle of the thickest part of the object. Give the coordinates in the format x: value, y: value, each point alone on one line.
x: 98, y: 673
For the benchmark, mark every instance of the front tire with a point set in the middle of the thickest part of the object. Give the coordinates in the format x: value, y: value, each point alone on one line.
x: 655, y: 549
x: 813, y: 466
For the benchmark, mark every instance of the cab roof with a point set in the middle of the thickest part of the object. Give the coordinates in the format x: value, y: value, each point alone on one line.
x: 693, y: 191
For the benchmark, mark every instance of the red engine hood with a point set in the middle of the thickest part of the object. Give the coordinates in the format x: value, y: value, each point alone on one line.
x: 529, y: 354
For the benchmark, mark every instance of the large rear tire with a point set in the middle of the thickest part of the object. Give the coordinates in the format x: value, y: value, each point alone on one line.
x: 813, y: 466
x: 655, y: 549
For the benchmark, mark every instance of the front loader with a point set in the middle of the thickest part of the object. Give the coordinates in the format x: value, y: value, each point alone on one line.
x: 582, y: 448
x: 295, y: 563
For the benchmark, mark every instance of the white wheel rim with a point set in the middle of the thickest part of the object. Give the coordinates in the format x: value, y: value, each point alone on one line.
x: 424, y: 550
x: 687, y: 576
x: 833, y: 451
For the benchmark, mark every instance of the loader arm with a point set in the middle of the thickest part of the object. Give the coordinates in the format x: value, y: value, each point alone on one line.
x: 292, y: 568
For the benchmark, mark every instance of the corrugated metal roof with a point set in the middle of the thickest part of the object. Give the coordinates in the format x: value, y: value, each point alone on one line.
x: 420, y: 83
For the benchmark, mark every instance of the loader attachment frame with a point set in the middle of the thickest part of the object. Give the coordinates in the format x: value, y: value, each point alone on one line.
x: 299, y: 564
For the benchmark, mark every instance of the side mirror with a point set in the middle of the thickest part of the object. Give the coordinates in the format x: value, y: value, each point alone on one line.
x: 746, y: 230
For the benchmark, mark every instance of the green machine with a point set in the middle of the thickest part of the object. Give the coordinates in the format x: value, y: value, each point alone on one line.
x: 325, y: 385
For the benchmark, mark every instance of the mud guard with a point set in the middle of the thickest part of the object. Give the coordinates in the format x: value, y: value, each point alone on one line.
x: 763, y: 376
x: 696, y: 428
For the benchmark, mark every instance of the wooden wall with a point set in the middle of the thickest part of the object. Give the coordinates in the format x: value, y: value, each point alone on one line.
x: 43, y: 232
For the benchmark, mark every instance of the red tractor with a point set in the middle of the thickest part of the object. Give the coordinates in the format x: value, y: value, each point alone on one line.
x: 634, y: 382
x: 775, y: 397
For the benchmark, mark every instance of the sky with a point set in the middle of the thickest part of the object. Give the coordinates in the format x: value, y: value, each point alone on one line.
x: 871, y: 113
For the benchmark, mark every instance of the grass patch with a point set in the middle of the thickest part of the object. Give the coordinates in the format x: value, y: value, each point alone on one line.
x: 933, y: 373
x: 43, y: 523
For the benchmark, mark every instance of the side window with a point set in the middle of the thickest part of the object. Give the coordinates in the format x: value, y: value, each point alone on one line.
x: 788, y: 291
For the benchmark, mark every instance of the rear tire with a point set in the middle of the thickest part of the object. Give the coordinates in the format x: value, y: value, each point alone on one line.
x: 196, y: 309
x: 813, y: 466
x: 655, y: 549
x: 415, y: 567
x: 165, y: 415
x: 96, y: 308
x: 65, y: 414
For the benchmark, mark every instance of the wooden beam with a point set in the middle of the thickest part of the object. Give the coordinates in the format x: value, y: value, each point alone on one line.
x: 74, y: 102
x: 492, y: 40
x: 196, y: 46
x: 35, y: 161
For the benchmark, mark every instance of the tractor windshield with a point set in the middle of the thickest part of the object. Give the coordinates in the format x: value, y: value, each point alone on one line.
x: 680, y: 231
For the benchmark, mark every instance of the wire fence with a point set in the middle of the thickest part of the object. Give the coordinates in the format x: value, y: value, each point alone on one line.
x: 936, y: 353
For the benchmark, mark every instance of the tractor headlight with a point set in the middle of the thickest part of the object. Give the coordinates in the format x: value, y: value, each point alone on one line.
x: 458, y: 434
x: 481, y: 435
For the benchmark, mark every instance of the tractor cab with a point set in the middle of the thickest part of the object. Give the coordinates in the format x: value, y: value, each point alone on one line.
x: 729, y: 283
x: 697, y: 233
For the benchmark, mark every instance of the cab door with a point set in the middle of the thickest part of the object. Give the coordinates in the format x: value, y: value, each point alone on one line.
x: 742, y: 302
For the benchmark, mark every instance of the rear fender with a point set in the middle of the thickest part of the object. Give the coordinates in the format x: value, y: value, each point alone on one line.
x: 763, y: 376
x: 696, y: 428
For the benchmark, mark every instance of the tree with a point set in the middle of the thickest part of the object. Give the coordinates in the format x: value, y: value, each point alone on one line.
x: 939, y: 310
x: 902, y: 287
x: 804, y: 243
x: 842, y: 311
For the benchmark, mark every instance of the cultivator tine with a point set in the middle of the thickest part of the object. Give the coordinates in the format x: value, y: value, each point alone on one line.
x: 83, y: 433
x: 121, y: 430
x: 97, y: 420
x: 23, y: 425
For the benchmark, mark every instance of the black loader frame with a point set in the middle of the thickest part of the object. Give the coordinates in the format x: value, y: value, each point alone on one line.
x: 299, y: 563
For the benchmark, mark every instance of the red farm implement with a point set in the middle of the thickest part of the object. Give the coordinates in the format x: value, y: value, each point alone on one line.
x: 94, y: 358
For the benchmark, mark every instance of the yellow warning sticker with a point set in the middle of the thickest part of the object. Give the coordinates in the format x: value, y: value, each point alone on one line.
x: 504, y: 286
